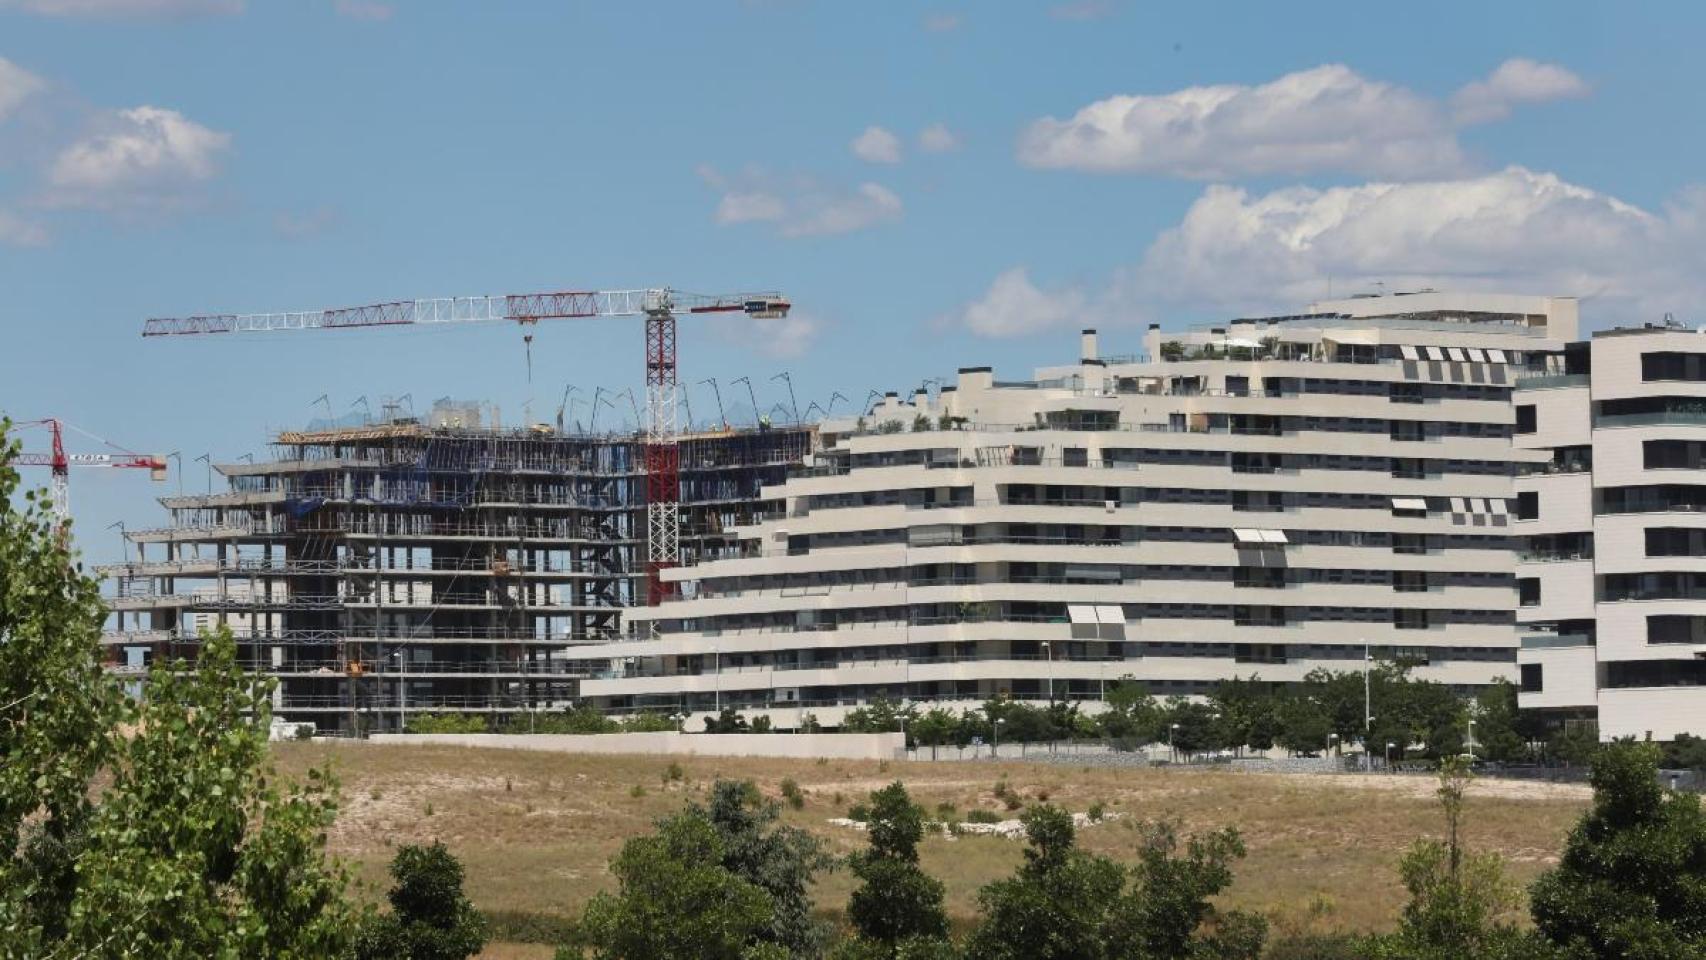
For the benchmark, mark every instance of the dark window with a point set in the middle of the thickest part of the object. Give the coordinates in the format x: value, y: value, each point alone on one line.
x: 1676, y: 542
x: 1531, y: 678
x: 1525, y: 421
x: 1673, y: 454
x: 1075, y: 457
x: 1528, y: 505
x: 1528, y: 591
x: 1667, y: 628
x: 1673, y: 366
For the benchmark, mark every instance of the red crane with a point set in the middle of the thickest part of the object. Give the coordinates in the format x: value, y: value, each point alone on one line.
x: 658, y: 305
x: 62, y: 462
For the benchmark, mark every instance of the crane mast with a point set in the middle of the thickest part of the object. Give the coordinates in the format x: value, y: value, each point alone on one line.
x: 62, y: 462
x: 659, y: 306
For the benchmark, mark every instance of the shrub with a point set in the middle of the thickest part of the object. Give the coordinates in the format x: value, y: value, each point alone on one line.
x: 672, y: 773
x: 637, y: 791
x: 859, y: 813
x: 430, y: 916
x: 980, y: 815
x: 447, y: 723
x: 792, y: 793
x: 1096, y: 812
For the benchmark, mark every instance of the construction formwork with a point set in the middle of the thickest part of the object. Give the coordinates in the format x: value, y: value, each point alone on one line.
x: 402, y: 567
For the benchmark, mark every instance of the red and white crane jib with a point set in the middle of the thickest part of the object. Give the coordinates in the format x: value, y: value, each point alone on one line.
x: 518, y: 308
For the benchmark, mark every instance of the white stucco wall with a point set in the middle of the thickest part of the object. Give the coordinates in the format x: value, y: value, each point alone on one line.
x: 841, y: 746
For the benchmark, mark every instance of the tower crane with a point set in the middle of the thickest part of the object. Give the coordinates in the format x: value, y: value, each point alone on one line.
x: 62, y: 462
x: 658, y: 305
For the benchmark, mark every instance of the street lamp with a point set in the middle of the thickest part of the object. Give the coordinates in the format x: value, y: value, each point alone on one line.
x: 995, y: 752
x: 1172, y: 751
x: 1389, y: 746
x: 1470, y: 745
x: 1048, y: 651
x: 1331, y: 739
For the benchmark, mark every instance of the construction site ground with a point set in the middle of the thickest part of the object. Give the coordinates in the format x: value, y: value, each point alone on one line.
x: 536, y: 831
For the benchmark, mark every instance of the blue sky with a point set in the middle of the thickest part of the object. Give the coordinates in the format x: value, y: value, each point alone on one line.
x: 1035, y: 168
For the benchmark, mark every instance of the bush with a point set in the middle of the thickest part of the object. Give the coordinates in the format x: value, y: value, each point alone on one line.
x: 447, y: 723
x: 792, y: 793
x: 1096, y: 812
x: 637, y: 791
x: 524, y: 926
x: 980, y: 815
x: 430, y: 916
x: 672, y: 773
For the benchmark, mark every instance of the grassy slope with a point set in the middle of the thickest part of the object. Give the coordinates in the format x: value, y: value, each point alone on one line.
x: 536, y: 830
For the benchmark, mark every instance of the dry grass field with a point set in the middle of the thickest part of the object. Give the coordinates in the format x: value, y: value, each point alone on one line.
x: 536, y: 830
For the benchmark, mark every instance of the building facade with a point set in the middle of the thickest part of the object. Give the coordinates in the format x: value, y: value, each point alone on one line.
x: 442, y: 566
x: 1612, y: 589
x: 1261, y: 498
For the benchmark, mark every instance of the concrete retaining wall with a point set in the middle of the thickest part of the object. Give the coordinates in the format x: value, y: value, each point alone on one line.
x: 840, y: 746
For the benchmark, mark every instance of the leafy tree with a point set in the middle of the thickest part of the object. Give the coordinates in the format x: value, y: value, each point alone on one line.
x: 777, y: 860
x: 676, y: 900
x: 1054, y: 908
x: 447, y: 723
x: 881, y: 715
x: 1574, y: 744
x: 1239, y: 703
x: 430, y: 918
x: 1500, y: 728
x: 934, y: 727
x: 1303, y: 725
x: 1166, y: 914
x: 728, y: 721
x: 192, y: 850
x: 896, y: 902
x: 1632, y: 879
x: 1132, y: 715
x: 1194, y: 727
x: 189, y: 848
x: 1457, y: 897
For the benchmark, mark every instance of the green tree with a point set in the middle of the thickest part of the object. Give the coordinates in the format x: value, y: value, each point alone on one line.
x: 1303, y: 726
x: 778, y: 860
x: 1458, y: 898
x: 1055, y: 907
x: 675, y: 900
x: 430, y: 918
x: 1132, y: 716
x: 728, y: 721
x: 189, y: 847
x: 1499, y: 725
x: 1240, y: 705
x: 1632, y: 880
x: 1167, y: 914
x: 896, y: 901
x: 1194, y: 727
x: 934, y: 727
x: 193, y: 850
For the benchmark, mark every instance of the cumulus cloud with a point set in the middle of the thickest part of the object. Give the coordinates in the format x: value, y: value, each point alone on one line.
x: 118, y: 9
x: 1515, y: 230
x: 16, y: 86
x: 1515, y: 82
x: 801, y: 206
x: 141, y: 157
x: 876, y: 145
x: 17, y: 232
x: 1326, y: 118
x: 937, y: 138
x: 369, y: 10
x: 1014, y: 307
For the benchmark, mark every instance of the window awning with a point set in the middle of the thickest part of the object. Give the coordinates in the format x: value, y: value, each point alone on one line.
x: 1111, y: 615
x: 1500, y: 507
x: 1081, y: 613
x: 1497, y: 356
x: 1408, y: 351
x: 1273, y: 536
x: 1409, y: 503
x: 1476, y: 354
x: 1247, y: 536
x: 1458, y: 505
x: 1435, y: 353
x: 1456, y: 353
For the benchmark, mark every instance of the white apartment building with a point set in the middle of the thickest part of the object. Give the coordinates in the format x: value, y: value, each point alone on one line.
x: 1613, y: 588
x: 1266, y: 496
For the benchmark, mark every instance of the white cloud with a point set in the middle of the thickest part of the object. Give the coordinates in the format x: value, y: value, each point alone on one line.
x: 16, y: 86
x: 141, y: 157
x: 937, y: 138
x: 17, y: 232
x: 370, y: 10
x: 1516, y: 230
x: 1325, y: 118
x: 302, y: 226
x: 1083, y: 10
x: 1516, y: 81
x: 125, y: 8
x: 801, y: 206
x: 943, y: 22
x: 876, y: 145
x: 1014, y: 307
x: 777, y: 338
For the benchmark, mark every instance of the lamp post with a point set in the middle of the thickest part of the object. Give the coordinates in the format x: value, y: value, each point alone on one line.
x: 1331, y: 739
x: 1389, y: 746
x: 402, y: 689
x: 995, y: 752
x: 1048, y: 651
x: 1172, y: 751
x: 1470, y: 745
x: 175, y: 455
x: 1367, y: 702
x: 717, y: 668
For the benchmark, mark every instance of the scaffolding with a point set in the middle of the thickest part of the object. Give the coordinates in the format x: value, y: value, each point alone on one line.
x: 386, y: 568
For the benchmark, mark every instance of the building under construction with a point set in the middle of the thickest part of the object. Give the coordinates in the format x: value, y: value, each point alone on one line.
x: 439, y: 566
